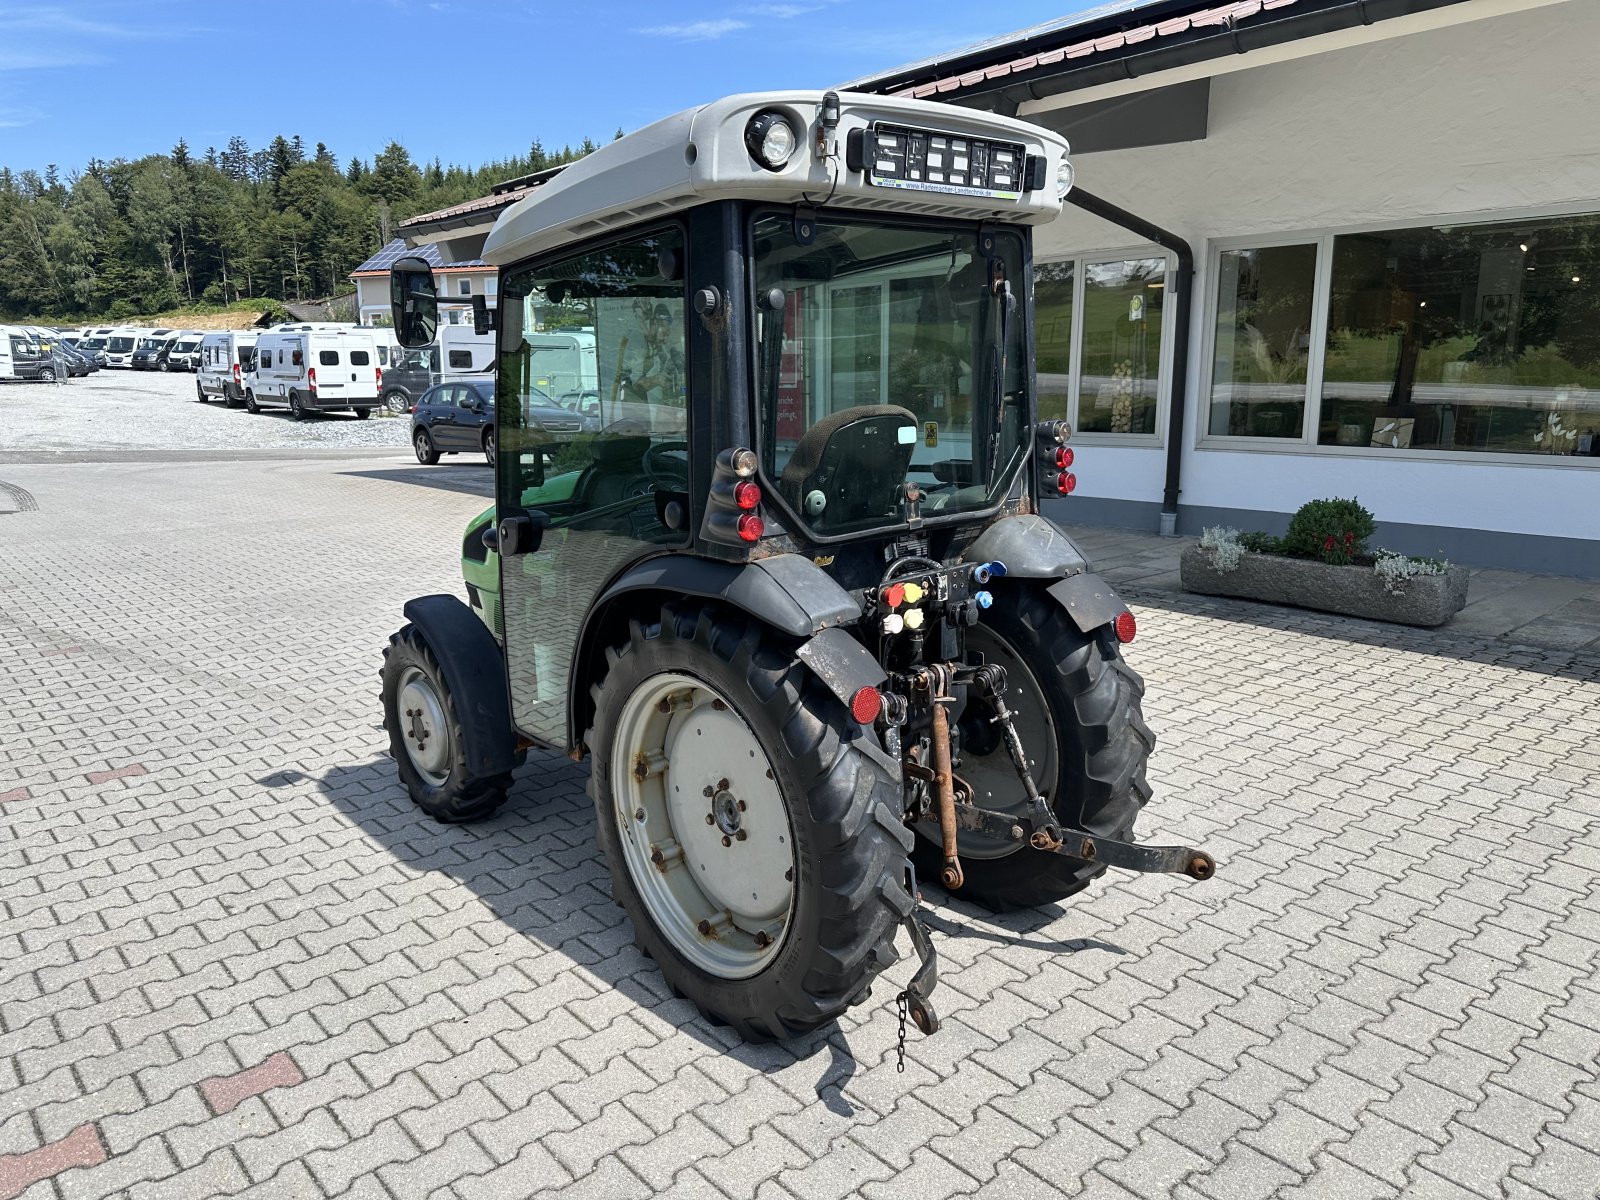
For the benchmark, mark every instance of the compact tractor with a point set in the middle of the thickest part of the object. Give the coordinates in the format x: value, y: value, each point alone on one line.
x: 767, y: 549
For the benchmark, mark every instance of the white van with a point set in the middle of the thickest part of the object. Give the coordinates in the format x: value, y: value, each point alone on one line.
x: 563, y: 363
x: 318, y: 370
x: 120, y: 345
x: 8, y: 369
x: 226, y: 357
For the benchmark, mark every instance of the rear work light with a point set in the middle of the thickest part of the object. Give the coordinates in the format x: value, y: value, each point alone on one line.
x: 1126, y: 627
x: 866, y: 704
x: 746, y: 494
x: 1066, y: 482
x: 750, y: 527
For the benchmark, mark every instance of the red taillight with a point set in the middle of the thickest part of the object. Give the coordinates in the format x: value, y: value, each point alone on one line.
x: 750, y: 527
x: 746, y: 495
x: 1126, y: 627
x: 865, y: 705
x: 236, y: 372
x: 311, y: 376
x: 1064, y: 457
x: 378, y: 375
x: 1066, y: 482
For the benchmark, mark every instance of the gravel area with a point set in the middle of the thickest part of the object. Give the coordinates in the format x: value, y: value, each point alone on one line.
x: 140, y: 410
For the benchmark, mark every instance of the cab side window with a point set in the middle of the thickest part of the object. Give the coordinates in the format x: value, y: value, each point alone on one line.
x: 609, y: 322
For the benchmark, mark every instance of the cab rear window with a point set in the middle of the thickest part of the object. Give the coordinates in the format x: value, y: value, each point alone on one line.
x: 328, y: 358
x: 360, y: 358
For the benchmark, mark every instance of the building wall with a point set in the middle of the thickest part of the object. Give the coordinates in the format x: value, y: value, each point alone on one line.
x: 1490, y: 118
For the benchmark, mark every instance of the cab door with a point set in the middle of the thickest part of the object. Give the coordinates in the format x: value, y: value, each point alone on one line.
x: 597, y: 493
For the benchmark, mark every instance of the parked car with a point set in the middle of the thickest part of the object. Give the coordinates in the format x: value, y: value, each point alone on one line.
x: 226, y: 357
x: 120, y: 345
x: 29, y: 359
x: 459, y: 353
x: 314, y: 371
x: 458, y: 416
x: 151, y: 353
x: 184, y: 353
x: 94, y: 346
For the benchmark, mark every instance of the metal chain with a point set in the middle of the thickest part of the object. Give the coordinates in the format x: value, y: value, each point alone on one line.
x: 902, y: 1006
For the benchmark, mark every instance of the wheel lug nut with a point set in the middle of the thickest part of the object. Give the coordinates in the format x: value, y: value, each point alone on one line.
x: 726, y: 840
x: 704, y: 927
x: 710, y: 791
x: 741, y: 806
x: 655, y: 855
x: 710, y: 820
x: 741, y: 835
x: 762, y: 940
x: 722, y: 785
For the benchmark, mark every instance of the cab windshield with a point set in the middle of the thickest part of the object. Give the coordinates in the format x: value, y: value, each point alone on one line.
x: 887, y: 355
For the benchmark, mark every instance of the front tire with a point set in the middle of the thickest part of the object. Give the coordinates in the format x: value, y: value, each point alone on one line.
x: 425, y: 737
x: 488, y: 446
x: 297, y: 411
x: 250, y: 404
x: 707, y: 699
x: 1077, y: 708
x: 200, y: 393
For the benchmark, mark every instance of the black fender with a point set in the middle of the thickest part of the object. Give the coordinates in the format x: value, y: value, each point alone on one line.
x: 1090, y: 601
x: 475, y: 672
x: 1030, y: 546
x: 788, y: 592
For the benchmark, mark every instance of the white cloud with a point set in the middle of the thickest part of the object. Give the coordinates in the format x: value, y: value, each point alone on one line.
x: 696, y: 31
x: 16, y: 118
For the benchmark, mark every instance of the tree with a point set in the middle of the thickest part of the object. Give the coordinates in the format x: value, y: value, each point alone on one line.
x: 180, y: 155
x: 394, y: 176
x: 236, y: 159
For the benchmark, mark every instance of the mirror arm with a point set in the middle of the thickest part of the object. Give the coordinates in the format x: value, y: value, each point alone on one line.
x: 482, y: 316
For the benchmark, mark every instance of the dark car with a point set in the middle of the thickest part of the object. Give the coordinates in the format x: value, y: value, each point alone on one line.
x: 151, y: 353
x: 452, y: 417
x: 93, y: 357
x: 30, y: 360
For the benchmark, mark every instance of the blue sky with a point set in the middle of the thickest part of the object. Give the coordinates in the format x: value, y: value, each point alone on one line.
x: 83, y: 79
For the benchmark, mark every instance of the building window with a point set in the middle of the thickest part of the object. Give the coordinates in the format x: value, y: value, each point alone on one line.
x: 491, y: 286
x: 1052, y: 290
x: 1099, y: 334
x: 1121, y: 345
x: 1263, y: 340
x: 1479, y: 338
x: 463, y: 287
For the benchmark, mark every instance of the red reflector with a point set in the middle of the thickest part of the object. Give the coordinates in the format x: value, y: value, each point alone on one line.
x: 865, y: 705
x: 746, y: 494
x: 1064, y: 457
x: 1126, y: 627
x: 1066, y: 482
x: 750, y: 527
x: 894, y: 595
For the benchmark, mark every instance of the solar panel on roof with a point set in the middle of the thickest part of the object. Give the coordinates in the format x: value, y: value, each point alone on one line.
x: 428, y: 252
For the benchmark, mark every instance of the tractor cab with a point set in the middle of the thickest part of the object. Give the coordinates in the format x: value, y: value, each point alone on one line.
x: 778, y: 569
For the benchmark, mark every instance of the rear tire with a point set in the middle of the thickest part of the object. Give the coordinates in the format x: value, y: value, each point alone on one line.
x: 847, y: 844
x: 1101, y: 749
x: 397, y: 401
x: 488, y: 446
x: 427, y: 452
x: 425, y: 737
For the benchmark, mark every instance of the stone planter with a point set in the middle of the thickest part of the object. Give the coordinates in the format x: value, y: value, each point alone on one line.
x: 1354, y: 591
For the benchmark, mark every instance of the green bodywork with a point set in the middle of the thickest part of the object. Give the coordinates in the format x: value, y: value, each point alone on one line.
x: 483, y: 577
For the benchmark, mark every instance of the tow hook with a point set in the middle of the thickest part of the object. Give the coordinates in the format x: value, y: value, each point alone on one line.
x: 915, y: 1002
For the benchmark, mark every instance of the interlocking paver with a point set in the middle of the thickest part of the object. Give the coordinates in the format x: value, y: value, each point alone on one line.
x: 1388, y: 988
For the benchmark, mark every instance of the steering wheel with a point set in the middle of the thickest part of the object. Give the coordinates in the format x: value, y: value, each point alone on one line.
x: 665, y: 470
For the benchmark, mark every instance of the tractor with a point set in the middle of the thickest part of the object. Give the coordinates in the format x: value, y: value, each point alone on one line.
x: 782, y: 577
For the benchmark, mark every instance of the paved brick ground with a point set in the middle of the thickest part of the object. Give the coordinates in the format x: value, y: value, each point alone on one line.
x: 234, y: 960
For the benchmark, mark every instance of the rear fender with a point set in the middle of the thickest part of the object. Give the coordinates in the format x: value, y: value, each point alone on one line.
x: 1090, y: 601
x: 1030, y: 546
x: 787, y: 592
x: 475, y: 672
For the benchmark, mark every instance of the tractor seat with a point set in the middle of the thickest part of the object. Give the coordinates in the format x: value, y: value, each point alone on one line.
x: 850, y: 467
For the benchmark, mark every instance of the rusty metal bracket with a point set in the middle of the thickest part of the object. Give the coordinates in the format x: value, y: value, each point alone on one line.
x: 1079, y: 843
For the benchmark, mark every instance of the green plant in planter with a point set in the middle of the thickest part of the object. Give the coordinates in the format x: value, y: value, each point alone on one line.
x: 1332, y: 531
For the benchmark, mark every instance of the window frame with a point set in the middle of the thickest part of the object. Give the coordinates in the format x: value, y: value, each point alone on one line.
x: 1200, y: 438
x: 1165, y: 365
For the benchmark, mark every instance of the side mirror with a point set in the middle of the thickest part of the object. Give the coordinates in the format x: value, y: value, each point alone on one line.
x: 413, y: 302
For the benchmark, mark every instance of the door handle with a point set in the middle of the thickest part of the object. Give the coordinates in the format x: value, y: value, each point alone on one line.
x: 522, y: 532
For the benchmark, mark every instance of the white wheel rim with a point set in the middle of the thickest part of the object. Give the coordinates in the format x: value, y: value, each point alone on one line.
x: 420, y: 712
x: 688, y: 775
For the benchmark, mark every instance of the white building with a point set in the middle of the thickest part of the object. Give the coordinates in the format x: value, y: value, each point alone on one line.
x: 457, y: 283
x: 1392, y: 208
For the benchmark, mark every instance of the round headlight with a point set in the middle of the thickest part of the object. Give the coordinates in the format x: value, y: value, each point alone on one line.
x: 1063, y: 179
x: 771, y: 140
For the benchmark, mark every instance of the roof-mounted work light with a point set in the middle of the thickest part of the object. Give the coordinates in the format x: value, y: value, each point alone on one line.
x: 771, y: 139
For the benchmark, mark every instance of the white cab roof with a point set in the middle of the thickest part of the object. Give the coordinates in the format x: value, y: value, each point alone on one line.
x: 700, y: 155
